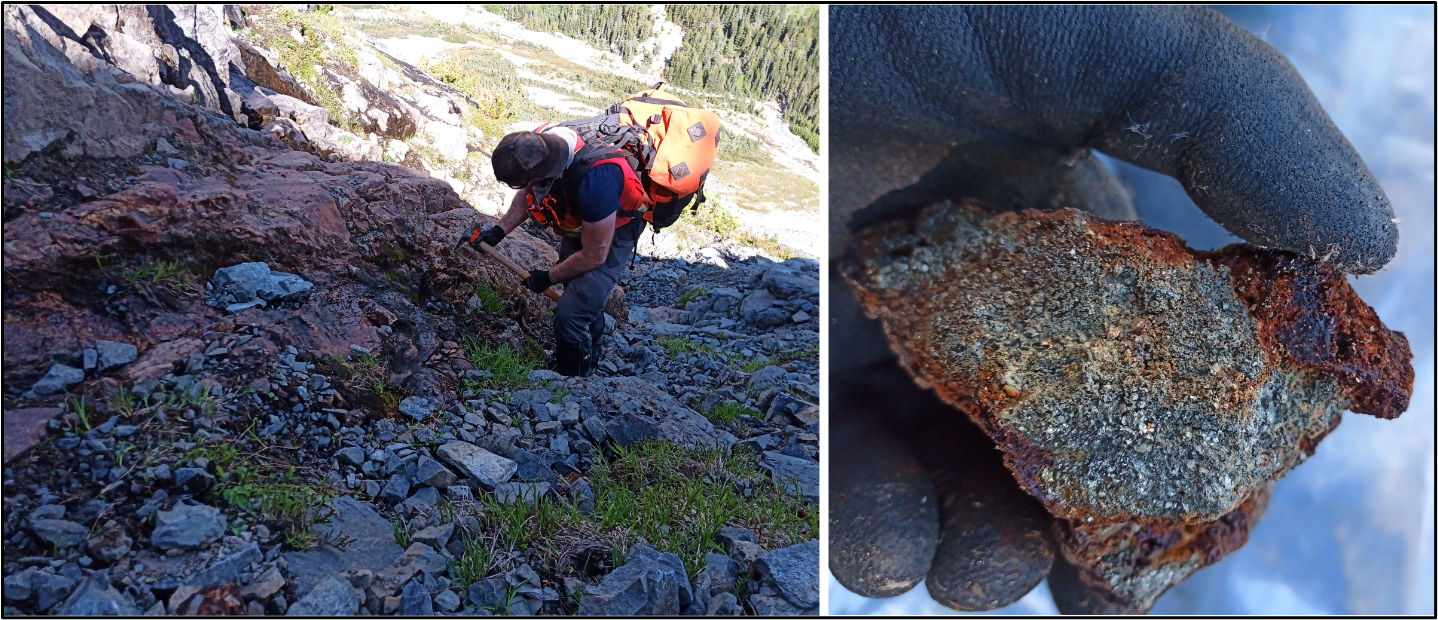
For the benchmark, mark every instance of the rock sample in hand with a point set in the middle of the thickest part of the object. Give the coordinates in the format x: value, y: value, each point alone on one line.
x: 1146, y: 393
x: 1122, y: 373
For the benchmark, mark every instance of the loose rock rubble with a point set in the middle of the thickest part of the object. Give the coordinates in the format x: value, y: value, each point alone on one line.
x: 1145, y: 392
x: 260, y: 400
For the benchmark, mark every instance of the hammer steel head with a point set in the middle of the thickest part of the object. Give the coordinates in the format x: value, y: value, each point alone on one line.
x: 467, y: 237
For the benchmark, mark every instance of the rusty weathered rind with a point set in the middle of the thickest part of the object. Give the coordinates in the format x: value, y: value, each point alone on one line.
x: 1128, y: 564
x: 1125, y: 376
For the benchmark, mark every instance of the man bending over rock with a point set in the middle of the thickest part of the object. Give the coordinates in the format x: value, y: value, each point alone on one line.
x: 594, y: 203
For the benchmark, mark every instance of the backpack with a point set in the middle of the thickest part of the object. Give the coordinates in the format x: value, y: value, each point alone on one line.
x: 668, y: 144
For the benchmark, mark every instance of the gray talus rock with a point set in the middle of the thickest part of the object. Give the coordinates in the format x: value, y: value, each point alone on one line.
x: 59, y: 532
x: 108, y: 546
x: 418, y: 558
x: 416, y: 407
x: 769, y: 602
x: 771, y: 317
x: 447, y: 601
x: 435, y: 535
x: 415, y: 601
x: 724, y: 604
x: 371, y: 544
x: 794, y: 572
x: 20, y: 586
x: 729, y: 536
x: 112, y: 354
x: 57, y: 379
x: 96, y: 597
x: 351, y: 456
x: 243, y: 280
x: 187, y: 526
x: 330, y: 597
x: 485, y: 467
x: 396, y: 489
x: 248, y: 282
x: 757, y: 302
x: 531, y: 467
x: 785, y: 283
x: 228, y: 568
x: 629, y: 429
x: 650, y: 583
x: 194, y: 480
x: 51, y: 589
x: 792, y: 472
x: 431, y: 472
x: 718, y: 575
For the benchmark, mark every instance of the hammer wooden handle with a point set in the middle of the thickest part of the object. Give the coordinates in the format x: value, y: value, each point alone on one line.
x: 550, y: 292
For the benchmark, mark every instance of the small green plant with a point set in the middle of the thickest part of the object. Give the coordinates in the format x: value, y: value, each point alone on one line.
x: 713, y: 218
x: 675, y: 346
x: 123, y: 402
x: 754, y: 363
x: 509, y: 367
x: 501, y: 608
x: 769, y: 244
x: 509, y: 520
x: 677, y: 498
x: 811, y: 351
x: 122, y: 449
x: 729, y: 411
x: 401, y: 531
x: 694, y: 294
x: 295, y: 508
x: 489, y: 301
x: 77, y: 406
x: 476, y: 562
x: 446, y: 510
x: 167, y: 275
x: 560, y: 391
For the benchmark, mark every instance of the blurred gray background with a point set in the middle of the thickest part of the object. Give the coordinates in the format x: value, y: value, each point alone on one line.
x: 1351, y: 530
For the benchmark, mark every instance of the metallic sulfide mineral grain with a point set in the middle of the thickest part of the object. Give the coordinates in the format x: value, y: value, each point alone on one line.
x: 1127, y: 377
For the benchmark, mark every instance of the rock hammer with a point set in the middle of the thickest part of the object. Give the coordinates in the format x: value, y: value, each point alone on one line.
x: 473, y: 234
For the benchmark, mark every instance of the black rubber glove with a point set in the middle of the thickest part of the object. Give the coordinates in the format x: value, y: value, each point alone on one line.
x: 492, y: 236
x: 538, y: 281
x: 1004, y: 104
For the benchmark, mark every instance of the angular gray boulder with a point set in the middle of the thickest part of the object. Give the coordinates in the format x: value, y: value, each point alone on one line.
x: 59, y: 532
x: 794, y: 572
x: 57, y: 379
x: 331, y: 597
x: 96, y: 597
x: 792, y: 472
x: 113, y: 354
x: 650, y: 583
x: 485, y: 467
x: 187, y: 526
x: 371, y: 544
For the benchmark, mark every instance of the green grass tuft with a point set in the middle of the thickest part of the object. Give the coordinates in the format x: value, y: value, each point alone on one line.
x: 729, y: 411
x: 489, y: 300
x: 166, y: 274
x: 677, y: 499
x: 677, y: 346
x: 76, y: 405
x: 694, y: 294
x: 511, y: 367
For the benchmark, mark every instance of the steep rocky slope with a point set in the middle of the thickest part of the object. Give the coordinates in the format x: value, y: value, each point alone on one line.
x: 245, y: 373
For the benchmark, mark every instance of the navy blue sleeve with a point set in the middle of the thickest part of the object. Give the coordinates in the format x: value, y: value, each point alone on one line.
x: 599, y: 192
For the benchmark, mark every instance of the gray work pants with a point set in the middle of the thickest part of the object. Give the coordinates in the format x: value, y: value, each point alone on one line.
x: 579, y: 319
